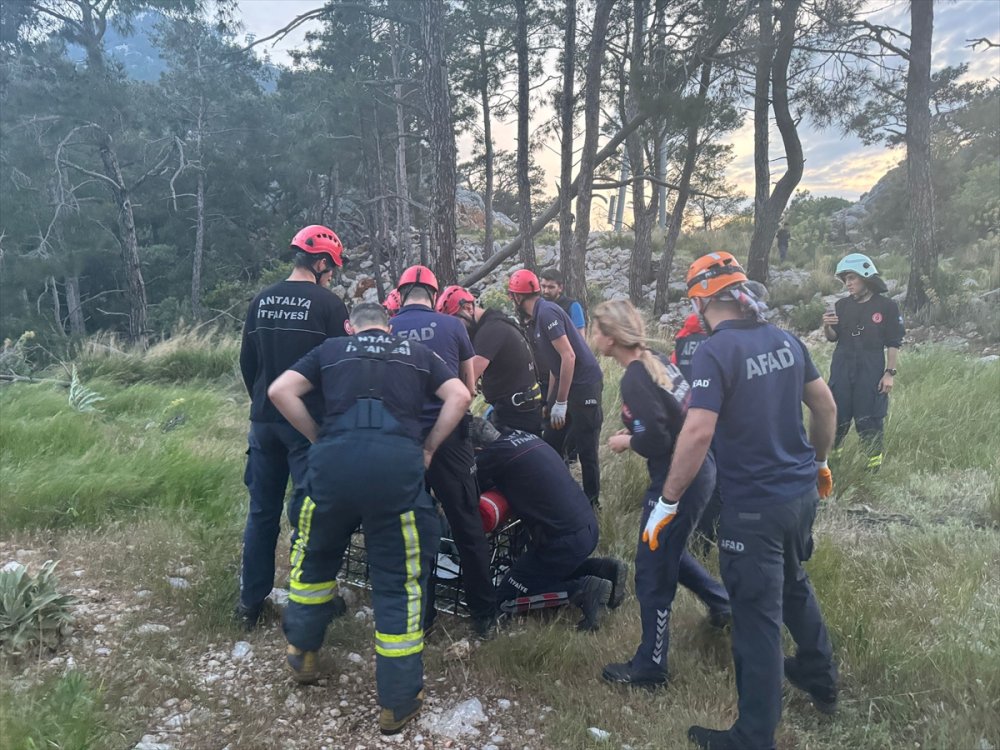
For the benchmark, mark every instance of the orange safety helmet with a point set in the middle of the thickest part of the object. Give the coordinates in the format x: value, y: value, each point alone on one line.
x: 392, y: 302
x: 452, y: 298
x: 418, y: 275
x: 712, y: 273
x: 316, y: 239
x: 524, y: 282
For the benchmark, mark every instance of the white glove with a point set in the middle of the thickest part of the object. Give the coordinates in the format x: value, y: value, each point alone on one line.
x: 557, y: 417
x: 662, y: 514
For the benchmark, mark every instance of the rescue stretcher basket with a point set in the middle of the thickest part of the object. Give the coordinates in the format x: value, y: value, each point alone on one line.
x: 506, y: 544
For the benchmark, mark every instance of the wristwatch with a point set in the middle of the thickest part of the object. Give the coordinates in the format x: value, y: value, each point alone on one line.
x: 891, y: 371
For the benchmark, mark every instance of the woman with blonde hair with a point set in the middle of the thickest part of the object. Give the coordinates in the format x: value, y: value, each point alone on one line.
x: 654, y: 403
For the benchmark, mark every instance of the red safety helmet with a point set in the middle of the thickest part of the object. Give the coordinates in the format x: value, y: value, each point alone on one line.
x: 392, y: 302
x: 316, y: 239
x: 452, y: 298
x: 712, y: 273
x: 524, y: 282
x: 494, y: 510
x: 418, y: 275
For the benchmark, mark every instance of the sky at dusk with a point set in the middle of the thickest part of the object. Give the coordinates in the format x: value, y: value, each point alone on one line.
x: 835, y: 164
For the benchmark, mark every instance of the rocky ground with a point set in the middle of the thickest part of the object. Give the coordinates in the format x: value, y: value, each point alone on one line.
x: 183, y: 690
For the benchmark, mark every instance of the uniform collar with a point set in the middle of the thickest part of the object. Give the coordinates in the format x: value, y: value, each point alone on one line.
x: 737, y: 324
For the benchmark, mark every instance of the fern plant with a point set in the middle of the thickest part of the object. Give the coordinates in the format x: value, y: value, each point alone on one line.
x: 32, y: 610
x: 81, y: 397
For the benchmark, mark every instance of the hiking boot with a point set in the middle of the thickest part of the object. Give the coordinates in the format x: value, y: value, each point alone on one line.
x: 825, y: 701
x: 720, y: 619
x: 485, y: 626
x: 248, y: 618
x: 712, y: 739
x: 592, y: 598
x: 619, y: 578
x: 622, y: 674
x: 393, y: 720
x: 339, y: 606
x: 304, y: 665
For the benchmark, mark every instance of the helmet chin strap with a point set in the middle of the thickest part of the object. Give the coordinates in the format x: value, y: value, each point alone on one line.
x: 700, y: 312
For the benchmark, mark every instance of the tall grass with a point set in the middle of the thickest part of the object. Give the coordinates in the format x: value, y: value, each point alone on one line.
x: 64, y: 712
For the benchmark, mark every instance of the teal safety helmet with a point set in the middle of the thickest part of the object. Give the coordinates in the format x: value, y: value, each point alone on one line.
x: 857, y: 263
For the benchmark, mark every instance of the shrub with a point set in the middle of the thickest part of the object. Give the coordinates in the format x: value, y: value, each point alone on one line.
x: 806, y: 317
x: 32, y: 611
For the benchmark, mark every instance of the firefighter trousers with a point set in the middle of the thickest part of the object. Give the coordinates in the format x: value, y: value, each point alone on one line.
x: 854, y: 378
x: 377, y: 480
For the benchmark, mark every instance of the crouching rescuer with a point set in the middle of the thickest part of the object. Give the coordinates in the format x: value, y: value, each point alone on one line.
x: 366, y: 466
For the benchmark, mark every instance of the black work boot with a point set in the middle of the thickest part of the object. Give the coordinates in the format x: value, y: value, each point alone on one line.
x: 712, y: 739
x: 825, y: 701
x: 591, y: 598
x: 623, y: 674
x: 618, y: 575
x: 485, y: 626
x: 393, y: 720
x: 247, y: 617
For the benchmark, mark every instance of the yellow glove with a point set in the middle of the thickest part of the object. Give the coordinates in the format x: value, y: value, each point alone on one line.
x: 824, y: 481
x: 661, y: 515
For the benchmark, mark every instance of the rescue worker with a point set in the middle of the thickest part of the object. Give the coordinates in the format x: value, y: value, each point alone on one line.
x: 504, y: 361
x: 869, y: 331
x: 551, y: 282
x: 654, y: 402
x: 575, y: 379
x: 783, y: 236
x: 366, y: 466
x: 555, y: 568
x: 283, y: 323
x: 452, y: 475
x: 392, y: 303
x: 748, y: 382
x: 686, y: 343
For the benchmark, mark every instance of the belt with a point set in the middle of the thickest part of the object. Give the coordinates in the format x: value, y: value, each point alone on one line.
x: 532, y: 394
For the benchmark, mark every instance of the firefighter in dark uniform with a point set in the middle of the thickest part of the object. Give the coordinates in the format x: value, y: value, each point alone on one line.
x: 869, y: 331
x: 654, y: 402
x: 504, y: 362
x: 556, y: 567
x: 576, y: 382
x: 452, y: 475
x: 283, y: 322
x: 366, y: 466
x: 748, y: 383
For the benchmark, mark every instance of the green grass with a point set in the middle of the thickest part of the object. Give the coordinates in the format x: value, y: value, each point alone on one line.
x: 906, y: 567
x: 62, y: 712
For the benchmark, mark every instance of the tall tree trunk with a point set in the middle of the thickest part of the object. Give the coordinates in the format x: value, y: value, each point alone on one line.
x: 484, y: 100
x: 74, y: 311
x: 53, y: 287
x: 923, y: 262
x: 622, y: 192
x: 643, y: 216
x: 523, y: 136
x: 382, y: 238
x: 683, y: 193
x: 762, y: 109
x: 766, y: 224
x: 129, y: 241
x: 566, y: 134
x: 199, y: 249
x: 661, y: 175
x: 403, y: 240
x: 442, y: 139
x: 575, y: 270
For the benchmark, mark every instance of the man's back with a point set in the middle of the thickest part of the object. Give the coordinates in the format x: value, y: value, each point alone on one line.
x: 284, y: 322
x: 512, y: 364
x: 534, y: 479
x: 752, y: 375
x: 549, y: 323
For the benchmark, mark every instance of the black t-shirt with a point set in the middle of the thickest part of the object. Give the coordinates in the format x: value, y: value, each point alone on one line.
x: 344, y: 369
x: 536, y: 483
x: 512, y: 365
x: 284, y: 322
x: 870, y: 325
x: 654, y: 415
